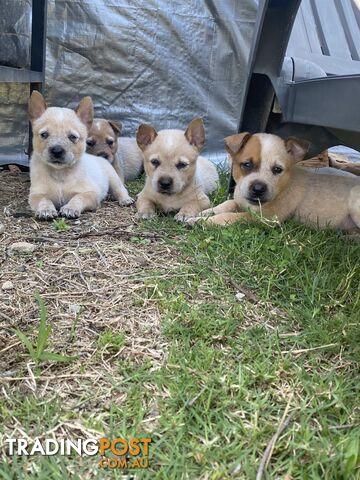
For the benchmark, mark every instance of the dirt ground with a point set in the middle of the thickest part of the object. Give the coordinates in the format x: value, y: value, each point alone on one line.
x: 91, y: 279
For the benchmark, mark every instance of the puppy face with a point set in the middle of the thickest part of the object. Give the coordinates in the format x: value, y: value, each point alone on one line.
x: 262, y: 164
x: 59, y: 134
x: 103, y: 137
x: 170, y: 155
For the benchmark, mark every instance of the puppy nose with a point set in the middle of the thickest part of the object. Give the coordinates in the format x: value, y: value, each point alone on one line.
x: 57, y: 151
x: 103, y: 154
x: 258, y: 189
x: 165, y: 183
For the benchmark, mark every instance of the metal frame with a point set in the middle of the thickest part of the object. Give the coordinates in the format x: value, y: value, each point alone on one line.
x: 322, y: 110
x: 35, y: 76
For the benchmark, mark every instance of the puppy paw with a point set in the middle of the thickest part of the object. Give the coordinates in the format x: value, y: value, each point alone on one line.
x: 69, y: 212
x: 192, y: 220
x: 126, y: 202
x: 145, y: 215
x: 183, y: 217
x: 206, y: 213
x: 46, y: 213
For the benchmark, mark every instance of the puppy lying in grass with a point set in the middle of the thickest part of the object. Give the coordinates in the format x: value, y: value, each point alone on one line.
x: 104, y: 140
x: 269, y: 183
x: 64, y: 179
x: 177, y: 178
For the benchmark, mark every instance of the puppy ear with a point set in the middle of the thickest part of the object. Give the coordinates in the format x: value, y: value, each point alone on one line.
x: 145, y: 135
x: 36, y: 106
x: 297, y: 148
x: 195, y: 133
x: 85, y: 111
x: 235, y: 143
x: 116, y: 126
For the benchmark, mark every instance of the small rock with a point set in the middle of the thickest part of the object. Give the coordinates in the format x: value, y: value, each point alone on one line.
x: 240, y: 296
x: 22, y: 247
x: 8, y: 285
x: 74, y: 308
x: 2, y: 228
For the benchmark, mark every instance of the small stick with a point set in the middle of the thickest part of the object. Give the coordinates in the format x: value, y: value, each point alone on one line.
x: 304, y: 350
x: 52, y: 377
x: 344, y: 427
x: 248, y: 293
x: 191, y: 402
x: 271, y: 445
x: 114, y: 231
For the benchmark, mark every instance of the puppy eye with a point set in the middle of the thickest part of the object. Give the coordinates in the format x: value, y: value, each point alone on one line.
x: 181, y: 165
x: 110, y: 142
x: 73, y: 137
x: 247, y: 165
x: 44, y: 135
x: 90, y: 142
x: 155, y: 162
x: 276, y: 170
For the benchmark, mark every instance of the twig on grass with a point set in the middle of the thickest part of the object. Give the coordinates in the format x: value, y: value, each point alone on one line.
x: 115, y: 232
x: 304, y: 350
x: 249, y: 295
x: 285, y: 420
x: 191, y: 402
x: 10, y: 346
x: 344, y: 427
x: 5, y: 317
x: 49, y: 377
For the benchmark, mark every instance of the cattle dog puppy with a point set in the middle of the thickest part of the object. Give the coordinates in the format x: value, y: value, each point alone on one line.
x: 64, y: 179
x: 269, y: 183
x: 123, y: 153
x: 177, y: 178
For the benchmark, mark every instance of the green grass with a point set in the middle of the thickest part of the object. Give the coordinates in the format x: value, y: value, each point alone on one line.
x: 109, y: 340
x: 38, y: 352
x: 61, y: 225
x: 233, y: 367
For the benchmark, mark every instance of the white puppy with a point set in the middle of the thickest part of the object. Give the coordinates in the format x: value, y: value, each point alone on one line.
x: 64, y: 179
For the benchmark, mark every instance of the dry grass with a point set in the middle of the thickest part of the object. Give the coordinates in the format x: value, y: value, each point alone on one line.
x: 89, y: 278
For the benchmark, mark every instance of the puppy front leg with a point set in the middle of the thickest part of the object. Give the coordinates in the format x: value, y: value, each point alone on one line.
x: 78, y: 203
x: 227, y: 206
x: 192, y: 208
x: 118, y: 169
x: 145, y: 208
x: 43, y: 207
x: 119, y: 191
x: 228, y: 218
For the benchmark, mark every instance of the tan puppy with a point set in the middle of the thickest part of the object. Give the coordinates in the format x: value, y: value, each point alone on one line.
x: 64, y: 179
x: 122, y: 152
x: 269, y: 183
x: 177, y: 178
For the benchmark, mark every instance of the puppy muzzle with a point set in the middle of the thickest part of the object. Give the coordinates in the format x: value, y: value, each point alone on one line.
x: 103, y: 154
x: 57, y: 154
x: 258, y: 192
x: 165, y: 185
